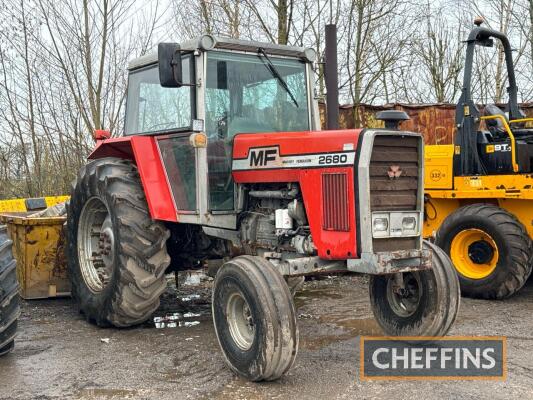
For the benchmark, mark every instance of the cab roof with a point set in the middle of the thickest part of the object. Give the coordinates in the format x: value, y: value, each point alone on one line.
x: 209, y: 42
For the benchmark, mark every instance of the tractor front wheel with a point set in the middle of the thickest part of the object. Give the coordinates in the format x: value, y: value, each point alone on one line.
x: 421, y: 303
x: 117, y: 254
x: 254, y: 318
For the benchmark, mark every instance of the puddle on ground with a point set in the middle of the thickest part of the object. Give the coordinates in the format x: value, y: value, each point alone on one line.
x: 190, y: 300
x: 193, y: 278
x: 308, y: 294
x: 314, y: 296
x: 176, y: 320
x: 352, y: 319
x: 190, y: 297
x: 352, y: 327
x: 191, y: 315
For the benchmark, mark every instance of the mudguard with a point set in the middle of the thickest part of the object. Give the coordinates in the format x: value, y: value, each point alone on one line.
x: 143, y: 151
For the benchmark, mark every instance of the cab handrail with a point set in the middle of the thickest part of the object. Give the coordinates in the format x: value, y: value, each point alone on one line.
x: 514, y: 121
x: 510, y: 133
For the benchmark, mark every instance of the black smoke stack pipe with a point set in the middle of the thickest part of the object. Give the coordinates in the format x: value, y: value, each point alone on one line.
x: 332, y: 78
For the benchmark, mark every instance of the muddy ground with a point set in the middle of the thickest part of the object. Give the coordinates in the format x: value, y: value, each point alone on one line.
x: 60, y: 356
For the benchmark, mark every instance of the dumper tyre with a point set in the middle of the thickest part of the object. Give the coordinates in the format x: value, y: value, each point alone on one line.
x: 427, y: 305
x: 255, y: 319
x: 490, y: 249
x: 116, y: 253
x: 9, y: 294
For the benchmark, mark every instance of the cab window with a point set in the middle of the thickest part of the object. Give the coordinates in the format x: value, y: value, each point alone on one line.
x: 152, y: 108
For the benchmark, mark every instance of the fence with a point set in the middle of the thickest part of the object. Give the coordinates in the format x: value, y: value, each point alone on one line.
x: 435, y: 121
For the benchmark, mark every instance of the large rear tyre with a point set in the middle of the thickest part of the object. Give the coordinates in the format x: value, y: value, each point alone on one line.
x: 9, y: 294
x: 117, y: 254
x: 490, y: 249
x: 254, y: 318
x: 422, y: 303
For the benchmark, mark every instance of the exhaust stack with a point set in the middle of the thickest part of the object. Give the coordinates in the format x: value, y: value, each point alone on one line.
x: 331, y: 77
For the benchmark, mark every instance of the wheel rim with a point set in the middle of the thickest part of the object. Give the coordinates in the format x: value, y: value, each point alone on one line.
x: 404, y: 300
x: 474, y: 253
x: 240, y: 321
x: 96, y: 242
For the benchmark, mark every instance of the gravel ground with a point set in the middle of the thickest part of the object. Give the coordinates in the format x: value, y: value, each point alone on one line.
x: 60, y: 356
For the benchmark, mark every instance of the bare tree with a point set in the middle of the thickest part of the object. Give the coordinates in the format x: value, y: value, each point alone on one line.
x: 274, y: 18
x: 62, y: 62
x: 216, y: 17
x: 376, y: 34
x: 62, y: 75
x: 440, y: 57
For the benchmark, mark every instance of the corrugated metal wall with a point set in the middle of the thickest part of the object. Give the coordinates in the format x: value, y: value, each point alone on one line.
x: 435, y: 121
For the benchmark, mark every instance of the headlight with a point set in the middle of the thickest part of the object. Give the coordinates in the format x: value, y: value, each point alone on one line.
x: 409, y: 223
x: 381, y: 224
x: 395, y: 224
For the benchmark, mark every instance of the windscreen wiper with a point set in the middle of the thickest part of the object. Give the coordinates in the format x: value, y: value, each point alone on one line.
x: 273, y: 70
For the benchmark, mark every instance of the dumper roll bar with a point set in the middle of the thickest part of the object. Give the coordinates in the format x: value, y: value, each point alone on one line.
x: 467, y: 116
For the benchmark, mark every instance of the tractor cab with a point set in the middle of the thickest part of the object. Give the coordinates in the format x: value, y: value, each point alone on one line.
x: 505, y: 146
x: 216, y: 88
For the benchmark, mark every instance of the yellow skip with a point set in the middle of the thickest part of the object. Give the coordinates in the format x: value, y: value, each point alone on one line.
x: 25, y: 205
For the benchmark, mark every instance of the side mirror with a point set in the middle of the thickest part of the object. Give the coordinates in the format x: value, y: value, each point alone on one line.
x: 169, y: 58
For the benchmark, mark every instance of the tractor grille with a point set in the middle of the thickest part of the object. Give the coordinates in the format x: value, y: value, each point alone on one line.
x: 394, y: 173
x: 335, y: 216
x: 394, y: 168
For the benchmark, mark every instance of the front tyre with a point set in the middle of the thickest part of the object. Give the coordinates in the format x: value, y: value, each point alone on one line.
x: 422, y: 303
x: 254, y: 318
x: 116, y: 253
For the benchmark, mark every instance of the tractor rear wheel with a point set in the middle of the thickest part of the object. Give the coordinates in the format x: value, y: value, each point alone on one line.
x: 423, y: 303
x: 9, y: 294
x: 117, y: 254
x: 255, y: 319
x: 490, y: 249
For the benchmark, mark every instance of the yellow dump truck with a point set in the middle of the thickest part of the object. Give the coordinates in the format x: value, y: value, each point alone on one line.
x: 479, y: 190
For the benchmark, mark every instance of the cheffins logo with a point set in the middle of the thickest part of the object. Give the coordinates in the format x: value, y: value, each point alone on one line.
x: 454, y: 358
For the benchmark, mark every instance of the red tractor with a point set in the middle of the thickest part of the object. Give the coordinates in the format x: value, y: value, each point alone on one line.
x: 222, y: 162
